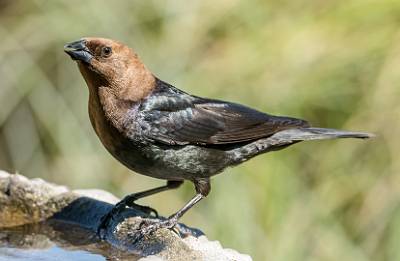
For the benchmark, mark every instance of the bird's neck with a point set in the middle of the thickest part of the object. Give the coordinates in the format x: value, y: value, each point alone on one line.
x: 109, y: 117
x: 108, y: 113
x: 114, y: 103
x: 136, y: 83
x: 119, y: 112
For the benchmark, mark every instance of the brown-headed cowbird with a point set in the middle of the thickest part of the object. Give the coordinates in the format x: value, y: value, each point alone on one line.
x: 160, y: 131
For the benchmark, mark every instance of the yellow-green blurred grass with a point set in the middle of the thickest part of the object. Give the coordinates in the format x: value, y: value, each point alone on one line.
x: 335, y: 63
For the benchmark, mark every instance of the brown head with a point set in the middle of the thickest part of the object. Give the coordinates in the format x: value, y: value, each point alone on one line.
x: 113, y: 66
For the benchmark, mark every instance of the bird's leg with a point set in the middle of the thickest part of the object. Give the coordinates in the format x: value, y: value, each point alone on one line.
x: 202, y: 188
x: 129, y: 201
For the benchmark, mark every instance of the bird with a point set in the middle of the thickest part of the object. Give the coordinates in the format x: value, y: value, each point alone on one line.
x: 158, y: 130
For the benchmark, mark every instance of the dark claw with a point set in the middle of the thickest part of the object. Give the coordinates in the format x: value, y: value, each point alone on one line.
x: 128, y: 201
x: 184, y: 231
x: 148, y: 229
x: 105, y: 220
x: 145, y: 209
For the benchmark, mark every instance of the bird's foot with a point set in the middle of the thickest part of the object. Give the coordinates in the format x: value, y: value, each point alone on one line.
x: 149, y: 211
x: 107, y: 218
x: 149, y: 227
x: 128, y: 201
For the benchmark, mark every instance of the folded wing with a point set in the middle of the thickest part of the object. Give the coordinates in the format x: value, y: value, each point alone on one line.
x: 184, y: 119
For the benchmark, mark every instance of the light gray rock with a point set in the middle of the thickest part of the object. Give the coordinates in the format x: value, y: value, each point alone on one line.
x: 37, y: 214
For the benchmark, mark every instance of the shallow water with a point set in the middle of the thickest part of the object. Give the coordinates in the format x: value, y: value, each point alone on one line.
x: 55, y: 241
x: 50, y: 254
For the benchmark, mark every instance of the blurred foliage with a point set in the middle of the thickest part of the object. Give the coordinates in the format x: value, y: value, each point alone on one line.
x: 335, y: 63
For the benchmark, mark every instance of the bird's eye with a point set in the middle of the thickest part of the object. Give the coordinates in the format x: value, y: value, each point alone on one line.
x: 106, y: 51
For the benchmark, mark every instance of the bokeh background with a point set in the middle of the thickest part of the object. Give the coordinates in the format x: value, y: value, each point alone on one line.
x: 335, y: 63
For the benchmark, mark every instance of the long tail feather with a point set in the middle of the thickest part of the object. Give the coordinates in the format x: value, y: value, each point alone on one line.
x: 319, y: 134
x: 288, y: 137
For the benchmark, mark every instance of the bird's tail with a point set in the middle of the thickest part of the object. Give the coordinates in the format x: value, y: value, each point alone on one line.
x: 288, y: 137
x: 318, y: 134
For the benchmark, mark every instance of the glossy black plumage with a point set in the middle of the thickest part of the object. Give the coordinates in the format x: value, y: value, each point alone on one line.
x: 172, y: 116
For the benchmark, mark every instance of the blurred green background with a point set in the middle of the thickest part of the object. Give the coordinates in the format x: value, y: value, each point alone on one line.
x: 334, y: 63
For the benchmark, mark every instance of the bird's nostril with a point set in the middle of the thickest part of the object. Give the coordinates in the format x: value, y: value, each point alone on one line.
x: 78, y: 51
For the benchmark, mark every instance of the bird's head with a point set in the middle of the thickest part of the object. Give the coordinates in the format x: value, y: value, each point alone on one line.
x: 109, y: 63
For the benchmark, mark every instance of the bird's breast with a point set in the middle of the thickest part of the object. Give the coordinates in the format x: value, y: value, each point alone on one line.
x: 114, y: 136
x: 109, y: 136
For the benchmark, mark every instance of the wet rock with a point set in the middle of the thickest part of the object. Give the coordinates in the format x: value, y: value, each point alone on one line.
x: 34, y: 213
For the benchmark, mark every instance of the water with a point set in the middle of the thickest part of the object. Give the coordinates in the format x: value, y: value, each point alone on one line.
x: 51, y: 254
x: 55, y: 240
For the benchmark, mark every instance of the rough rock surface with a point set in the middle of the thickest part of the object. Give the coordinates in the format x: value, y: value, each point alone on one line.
x: 70, y: 218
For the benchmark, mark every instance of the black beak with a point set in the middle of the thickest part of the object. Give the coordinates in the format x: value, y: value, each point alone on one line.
x: 78, y: 51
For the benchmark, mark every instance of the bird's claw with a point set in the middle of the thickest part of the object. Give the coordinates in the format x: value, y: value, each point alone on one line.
x: 126, y: 202
x: 145, y: 209
x: 147, y: 228
x: 168, y: 223
x: 105, y: 220
x: 130, y: 202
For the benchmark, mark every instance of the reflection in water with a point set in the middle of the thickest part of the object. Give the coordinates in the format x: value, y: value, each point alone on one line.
x: 55, y: 240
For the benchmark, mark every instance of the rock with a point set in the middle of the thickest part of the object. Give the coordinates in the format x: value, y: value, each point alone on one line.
x: 35, y: 213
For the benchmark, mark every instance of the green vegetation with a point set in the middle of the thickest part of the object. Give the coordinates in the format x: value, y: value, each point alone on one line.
x: 335, y: 63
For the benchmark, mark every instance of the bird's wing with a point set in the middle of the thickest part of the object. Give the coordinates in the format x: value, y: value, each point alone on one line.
x: 184, y: 119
